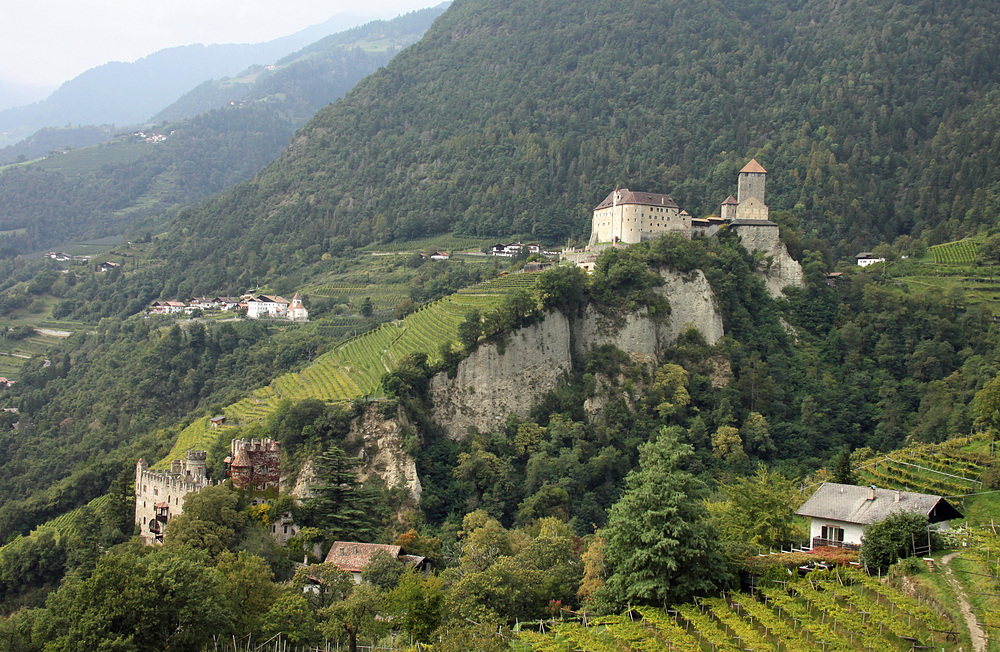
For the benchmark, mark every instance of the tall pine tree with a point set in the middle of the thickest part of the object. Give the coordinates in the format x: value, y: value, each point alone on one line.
x: 339, y: 504
x: 661, y: 546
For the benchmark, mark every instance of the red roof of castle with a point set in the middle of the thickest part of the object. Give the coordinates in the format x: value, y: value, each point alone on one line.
x: 730, y: 200
x: 753, y: 166
x: 643, y: 198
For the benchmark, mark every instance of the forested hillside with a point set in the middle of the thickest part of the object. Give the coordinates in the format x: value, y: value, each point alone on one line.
x: 516, y: 118
x: 102, y: 190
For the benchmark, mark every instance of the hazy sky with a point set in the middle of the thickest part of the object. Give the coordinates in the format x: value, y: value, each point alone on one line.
x: 46, y: 42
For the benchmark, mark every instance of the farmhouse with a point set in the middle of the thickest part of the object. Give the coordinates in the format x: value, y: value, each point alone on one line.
x: 866, y: 258
x: 353, y: 557
x: 840, y: 512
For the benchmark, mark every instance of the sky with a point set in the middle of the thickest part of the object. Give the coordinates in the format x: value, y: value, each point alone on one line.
x: 46, y: 42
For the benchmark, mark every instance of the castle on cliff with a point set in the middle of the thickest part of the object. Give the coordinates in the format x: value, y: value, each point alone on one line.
x: 627, y: 217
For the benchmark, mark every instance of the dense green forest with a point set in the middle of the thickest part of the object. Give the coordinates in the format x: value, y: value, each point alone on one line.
x: 873, y: 120
x: 127, y: 182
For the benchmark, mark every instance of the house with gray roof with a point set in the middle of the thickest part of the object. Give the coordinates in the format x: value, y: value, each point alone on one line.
x: 840, y: 512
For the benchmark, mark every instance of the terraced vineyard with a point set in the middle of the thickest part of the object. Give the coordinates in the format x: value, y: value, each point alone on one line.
x: 834, y: 611
x: 355, y: 368
x: 941, y: 469
x: 382, y: 298
x: 960, y: 252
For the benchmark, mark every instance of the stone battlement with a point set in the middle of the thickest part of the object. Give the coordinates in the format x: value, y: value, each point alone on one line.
x: 160, y: 494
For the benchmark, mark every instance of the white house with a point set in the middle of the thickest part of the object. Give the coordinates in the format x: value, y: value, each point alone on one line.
x: 840, y: 512
x: 266, y: 306
x: 866, y: 258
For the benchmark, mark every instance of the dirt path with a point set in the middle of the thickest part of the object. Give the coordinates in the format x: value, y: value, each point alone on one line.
x: 975, y: 631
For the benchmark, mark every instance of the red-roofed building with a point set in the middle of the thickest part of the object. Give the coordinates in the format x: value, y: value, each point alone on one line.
x: 254, y: 464
x: 352, y: 556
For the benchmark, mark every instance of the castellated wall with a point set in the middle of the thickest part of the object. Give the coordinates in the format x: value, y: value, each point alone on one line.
x: 159, y: 495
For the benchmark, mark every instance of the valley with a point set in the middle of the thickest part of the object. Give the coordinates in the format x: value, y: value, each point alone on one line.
x: 674, y: 420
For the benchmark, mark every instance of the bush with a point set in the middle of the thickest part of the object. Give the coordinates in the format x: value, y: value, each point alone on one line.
x: 891, y: 539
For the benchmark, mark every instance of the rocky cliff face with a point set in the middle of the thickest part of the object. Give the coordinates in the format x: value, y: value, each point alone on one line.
x: 489, y: 385
x: 692, y: 305
x: 382, y: 453
x: 783, y: 270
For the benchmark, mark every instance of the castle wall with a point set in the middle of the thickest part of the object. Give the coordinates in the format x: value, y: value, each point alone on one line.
x: 780, y: 270
x: 632, y: 223
x: 752, y: 208
x: 159, y: 495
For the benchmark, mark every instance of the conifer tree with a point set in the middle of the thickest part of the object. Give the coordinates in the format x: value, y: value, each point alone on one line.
x: 339, y: 504
x: 842, y: 471
x: 661, y: 546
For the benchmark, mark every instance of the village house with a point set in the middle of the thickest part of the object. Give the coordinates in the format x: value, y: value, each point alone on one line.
x: 167, y: 307
x: 840, y: 512
x: 866, y: 258
x: 352, y: 557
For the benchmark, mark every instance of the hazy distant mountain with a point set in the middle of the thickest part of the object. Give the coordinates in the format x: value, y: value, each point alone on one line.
x: 140, y: 175
x: 15, y: 94
x: 129, y: 93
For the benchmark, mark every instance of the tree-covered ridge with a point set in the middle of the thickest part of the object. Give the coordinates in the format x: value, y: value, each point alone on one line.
x: 128, y: 183
x: 518, y: 117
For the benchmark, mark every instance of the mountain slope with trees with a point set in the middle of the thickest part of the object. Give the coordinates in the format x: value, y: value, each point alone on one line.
x: 101, y: 191
x: 517, y: 118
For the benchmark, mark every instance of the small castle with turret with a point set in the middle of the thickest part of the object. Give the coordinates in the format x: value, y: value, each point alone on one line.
x: 252, y: 465
x: 159, y: 495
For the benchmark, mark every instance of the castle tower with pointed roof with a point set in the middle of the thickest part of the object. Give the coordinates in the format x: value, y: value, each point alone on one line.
x: 750, y: 194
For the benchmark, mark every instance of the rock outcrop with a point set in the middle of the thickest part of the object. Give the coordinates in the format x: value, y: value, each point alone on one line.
x: 490, y: 385
x: 382, y: 452
x: 783, y: 270
x: 692, y: 305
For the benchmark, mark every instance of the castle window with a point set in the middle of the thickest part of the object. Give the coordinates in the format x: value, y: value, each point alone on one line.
x: 156, y: 492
